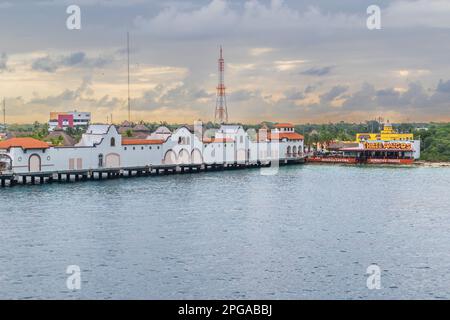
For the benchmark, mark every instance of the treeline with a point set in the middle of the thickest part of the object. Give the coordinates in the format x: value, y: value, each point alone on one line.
x: 435, y: 142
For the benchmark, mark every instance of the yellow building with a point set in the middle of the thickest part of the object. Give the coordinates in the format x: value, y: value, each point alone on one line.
x: 387, y: 134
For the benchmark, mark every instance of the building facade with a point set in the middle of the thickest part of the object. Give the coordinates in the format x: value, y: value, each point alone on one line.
x: 66, y: 120
x: 102, y: 147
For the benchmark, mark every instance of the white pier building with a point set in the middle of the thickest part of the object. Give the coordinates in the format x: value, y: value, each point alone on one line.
x: 103, y: 148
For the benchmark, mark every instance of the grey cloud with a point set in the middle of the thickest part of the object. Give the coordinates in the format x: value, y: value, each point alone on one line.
x: 74, y: 59
x: 294, y: 94
x: 44, y: 64
x: 67, y: 96
x: 77, y: 59
x: 184, y: 97
x: 223, y: 18
x: 334, y: 93
x: 318, y: 71
x: 242, y: 95
x: 362, y: 99
x: 443, y: 86
x: 3, y: 62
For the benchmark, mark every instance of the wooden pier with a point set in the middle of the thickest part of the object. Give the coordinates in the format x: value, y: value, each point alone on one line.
x: 33, y: 178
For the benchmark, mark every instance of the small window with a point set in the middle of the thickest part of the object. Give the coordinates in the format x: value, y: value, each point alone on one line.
x: 142, y: 148
x: 125, y: 148
x: 113, y: 142
x: 158, y: 147
x: 100, y: 160
x: 150, y: 148
x: 134, y: 148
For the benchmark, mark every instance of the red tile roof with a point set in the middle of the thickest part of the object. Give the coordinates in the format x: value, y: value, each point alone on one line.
x: 131, y: 142
x: 286, y: 135
x: 24, y: 143
x: 284, y: 125
x: 218, y: 140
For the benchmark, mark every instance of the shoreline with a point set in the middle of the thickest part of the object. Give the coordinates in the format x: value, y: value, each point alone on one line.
x: 432, y: 164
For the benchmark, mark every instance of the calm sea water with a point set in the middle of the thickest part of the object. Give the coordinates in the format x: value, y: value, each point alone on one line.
x: 309, y: 232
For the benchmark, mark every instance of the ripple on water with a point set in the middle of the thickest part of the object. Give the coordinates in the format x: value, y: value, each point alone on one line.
x: 309, y: 232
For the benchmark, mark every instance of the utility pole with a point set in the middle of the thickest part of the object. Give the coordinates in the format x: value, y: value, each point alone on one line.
x: 4, y: 114
x: 128, y: 59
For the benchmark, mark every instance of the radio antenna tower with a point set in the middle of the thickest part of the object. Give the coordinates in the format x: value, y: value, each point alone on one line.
x: 221, y: 114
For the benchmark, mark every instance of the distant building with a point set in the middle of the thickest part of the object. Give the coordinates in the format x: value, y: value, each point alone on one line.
x: 161, y: 133
x: 61, y: 137
x: 140, y: 131
x: 387, y: 134
x: 71, y: 119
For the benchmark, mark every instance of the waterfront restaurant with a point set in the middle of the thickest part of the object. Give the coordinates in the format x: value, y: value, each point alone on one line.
x: 385, y: 152
x: 386, y: 147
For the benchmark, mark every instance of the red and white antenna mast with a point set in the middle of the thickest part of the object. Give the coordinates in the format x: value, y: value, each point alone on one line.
x: 221, y: 114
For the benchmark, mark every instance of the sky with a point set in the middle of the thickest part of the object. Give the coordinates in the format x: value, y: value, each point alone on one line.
x: 292, y: 60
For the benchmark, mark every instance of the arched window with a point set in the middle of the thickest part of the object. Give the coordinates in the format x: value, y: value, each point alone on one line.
x: 113, y: 142
x: 100, y: 160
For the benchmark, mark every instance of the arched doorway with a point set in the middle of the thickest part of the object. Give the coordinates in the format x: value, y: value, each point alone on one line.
x: 112, y: 160
x: 196, y: 157
x: 288, y: 152
x: 183, y: 157
x: 170, y: 157
x: 34, y: 163
x: 294, y: 151
x: 5, y: 163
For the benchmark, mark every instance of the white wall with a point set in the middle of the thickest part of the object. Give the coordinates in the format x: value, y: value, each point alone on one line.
x: 181, y: 142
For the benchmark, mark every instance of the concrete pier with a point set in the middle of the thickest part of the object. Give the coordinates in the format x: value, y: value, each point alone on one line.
x: 11, y: 179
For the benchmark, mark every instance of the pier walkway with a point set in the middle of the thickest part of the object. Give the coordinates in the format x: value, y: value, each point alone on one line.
x: 9, y: 179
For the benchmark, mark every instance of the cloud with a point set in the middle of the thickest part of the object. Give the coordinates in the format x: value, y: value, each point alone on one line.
x: 3, y: 62
x: 221, y: 18
x: 286, y: 65
x: 260, y: 51
x: 419, y: 13
x: 77, y: 59
x: 443, y: 86
x: 333, y: 94
x: 209, y: 20
x: 242, y: 95
x: 318, y: 71
x: 67, y: 97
